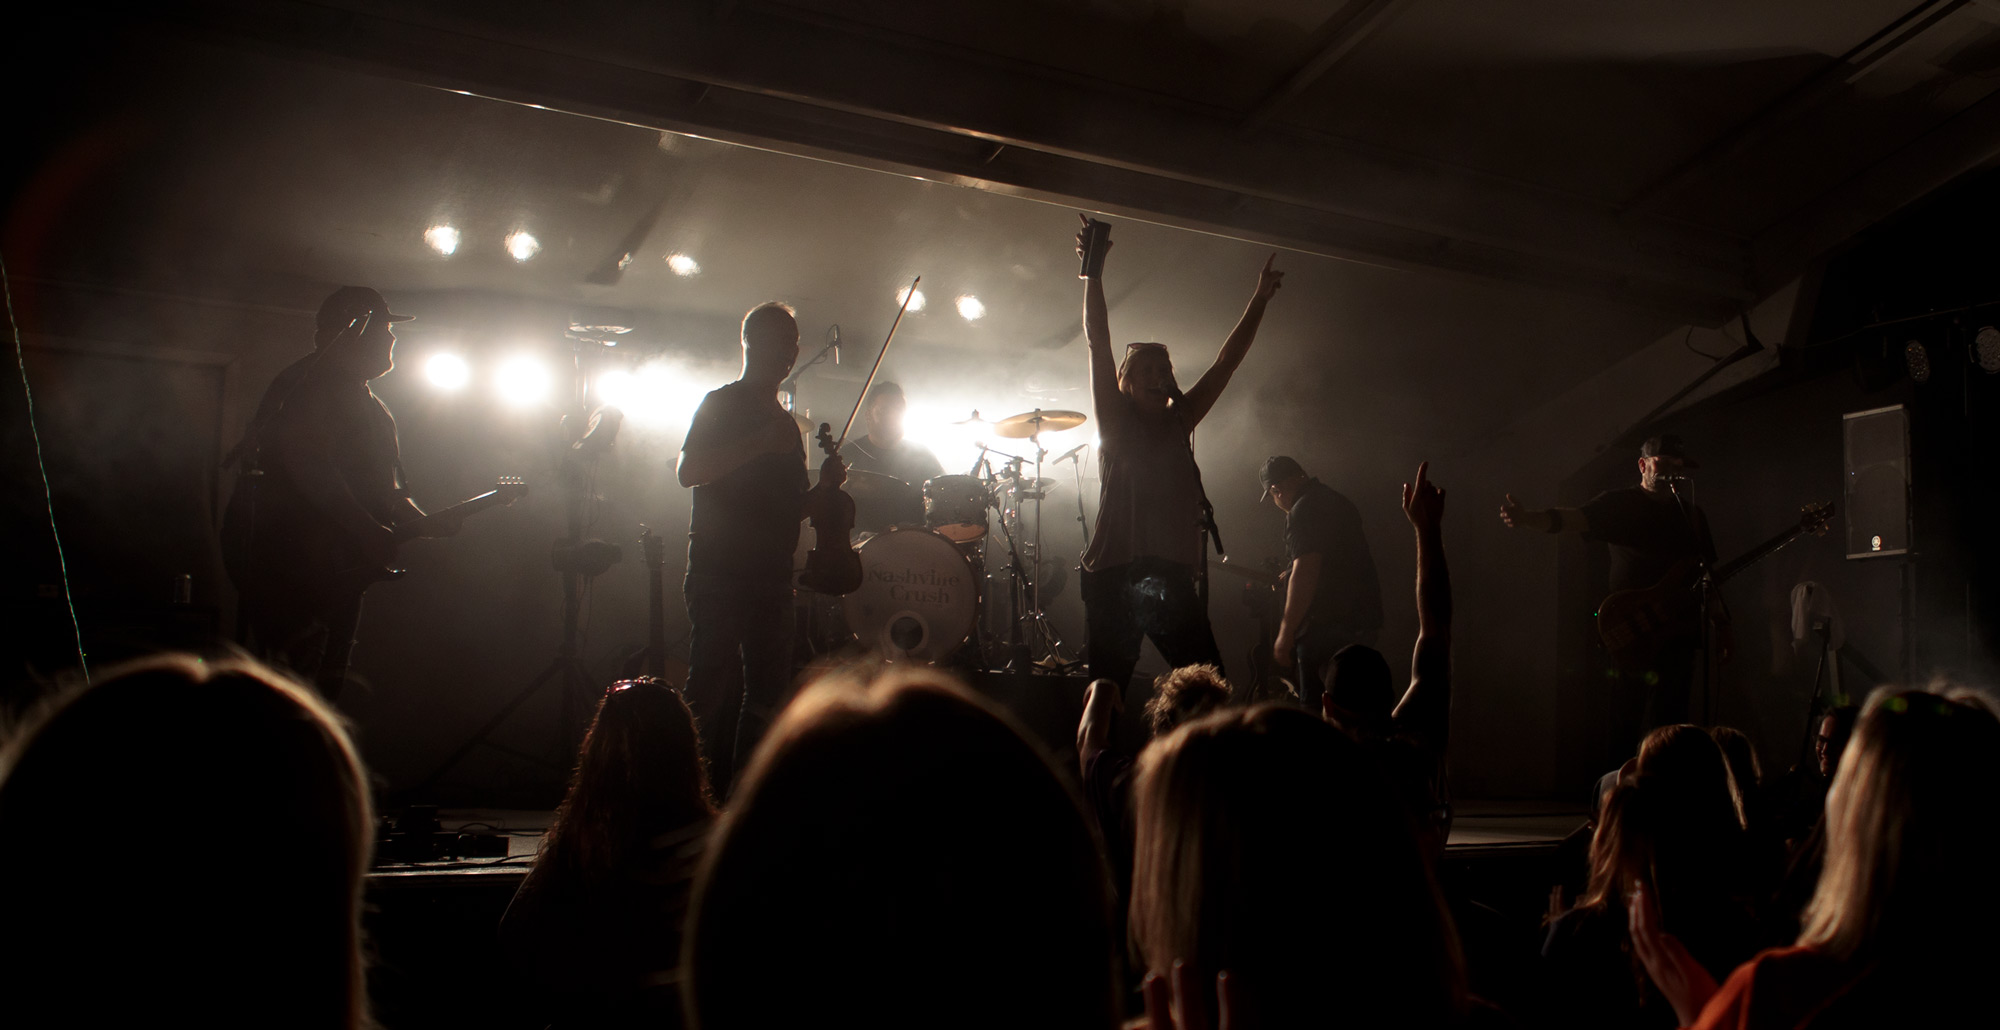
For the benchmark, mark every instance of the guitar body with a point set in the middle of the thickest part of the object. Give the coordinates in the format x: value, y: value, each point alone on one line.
x: 1635, y: 625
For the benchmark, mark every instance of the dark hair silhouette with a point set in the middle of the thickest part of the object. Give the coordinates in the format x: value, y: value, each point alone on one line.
x: 186, y: 840
x: 1232, y: 809
x: 638, y: 774
x: 1184, y: 694
x: 899, y: 855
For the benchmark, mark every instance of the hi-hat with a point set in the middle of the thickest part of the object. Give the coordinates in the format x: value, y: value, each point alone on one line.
x: 1034, y: 423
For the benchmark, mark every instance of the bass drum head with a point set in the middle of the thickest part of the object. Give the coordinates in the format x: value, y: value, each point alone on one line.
x: 917, y: 597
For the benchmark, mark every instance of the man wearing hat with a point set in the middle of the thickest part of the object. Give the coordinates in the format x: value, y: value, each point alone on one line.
x: 1332, y: 597
x: 1650, y: 529
x: 321, y: 493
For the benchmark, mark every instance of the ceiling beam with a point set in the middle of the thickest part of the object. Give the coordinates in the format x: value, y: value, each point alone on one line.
x: 1372, y: 17
x: 1807, y: 96
x: 766, y: 80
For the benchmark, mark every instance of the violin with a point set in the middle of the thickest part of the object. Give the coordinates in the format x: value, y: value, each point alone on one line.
x: 833, y: 566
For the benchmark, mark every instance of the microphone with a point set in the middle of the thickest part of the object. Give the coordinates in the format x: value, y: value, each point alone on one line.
x: 836, y: 345
x: 1071, y: 453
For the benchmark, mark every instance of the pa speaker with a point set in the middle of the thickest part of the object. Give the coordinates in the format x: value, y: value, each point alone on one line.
x: 1877, y: 448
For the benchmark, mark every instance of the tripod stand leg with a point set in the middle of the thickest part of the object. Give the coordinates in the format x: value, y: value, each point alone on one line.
x: 562, y: 665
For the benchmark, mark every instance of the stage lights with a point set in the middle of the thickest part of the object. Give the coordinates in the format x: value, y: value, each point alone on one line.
x: 970, y: 309
x: 442, y: 238
x: 447, y: 372
x: 522, y: 382
x: 523, y: 245
x: 682, y: 264
x: 916, y: 302
x: 659, y: 395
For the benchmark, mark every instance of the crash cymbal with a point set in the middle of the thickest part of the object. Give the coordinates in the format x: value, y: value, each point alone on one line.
x: 806, y: 425
x: 1035, y: 423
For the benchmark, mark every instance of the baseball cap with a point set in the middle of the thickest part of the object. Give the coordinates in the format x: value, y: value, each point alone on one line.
x: 1667, y: 445
x: 1277, y: 469
x: 348, y: 303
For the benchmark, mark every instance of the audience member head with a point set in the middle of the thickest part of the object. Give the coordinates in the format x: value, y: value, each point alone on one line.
x: 770, y: 343
x: 186, y: 839
x: 899, y: 854
x: 1740, y: 757
x: 639, y: 774
x: 1183, y: 695
x: 1231, y: 810
x: 1830, y: 738
x: 1912, y: 817
x: 1687, y: 761
x: 1360, y: 693
x: 1647, y: 835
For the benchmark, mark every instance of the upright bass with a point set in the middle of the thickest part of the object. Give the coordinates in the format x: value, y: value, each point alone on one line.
x: 833, y: 566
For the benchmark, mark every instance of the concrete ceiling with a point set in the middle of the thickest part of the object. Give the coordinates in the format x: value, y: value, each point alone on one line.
x: 1681, y: 156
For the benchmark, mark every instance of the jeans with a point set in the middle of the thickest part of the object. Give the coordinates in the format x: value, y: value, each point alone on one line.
x: 1148, y: 597
x: 739, y: 666
x: 306, y: 630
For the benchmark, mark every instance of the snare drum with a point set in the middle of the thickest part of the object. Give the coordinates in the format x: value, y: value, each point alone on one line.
x: 918, y: 597
x: 955, y: 507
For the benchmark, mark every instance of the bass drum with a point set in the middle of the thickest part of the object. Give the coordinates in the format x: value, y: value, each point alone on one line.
x: 918, y: 598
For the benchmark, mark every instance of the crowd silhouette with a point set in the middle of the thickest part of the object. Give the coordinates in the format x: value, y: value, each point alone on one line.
x: 897, y: 852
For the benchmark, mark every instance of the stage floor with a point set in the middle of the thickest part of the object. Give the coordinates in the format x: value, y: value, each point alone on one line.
x: 1510, y: 825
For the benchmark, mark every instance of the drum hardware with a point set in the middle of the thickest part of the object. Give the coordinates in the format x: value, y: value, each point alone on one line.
x: 1074, y: 457
x: 1030, y: 425
x: 1026, y: 580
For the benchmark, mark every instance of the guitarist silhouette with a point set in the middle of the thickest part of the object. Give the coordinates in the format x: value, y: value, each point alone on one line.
x: 1650, y: 530
x: 320, y: 503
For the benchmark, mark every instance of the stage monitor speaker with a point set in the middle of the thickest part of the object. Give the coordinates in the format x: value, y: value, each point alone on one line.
x: 1877, y: 448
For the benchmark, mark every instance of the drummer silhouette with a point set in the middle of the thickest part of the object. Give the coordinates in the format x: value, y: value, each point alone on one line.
x: 886, y: 452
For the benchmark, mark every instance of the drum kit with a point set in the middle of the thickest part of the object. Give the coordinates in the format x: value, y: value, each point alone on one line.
x: 924, y: 555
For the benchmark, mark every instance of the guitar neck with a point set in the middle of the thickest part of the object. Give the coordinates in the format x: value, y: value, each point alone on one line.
x: 1757, y: 553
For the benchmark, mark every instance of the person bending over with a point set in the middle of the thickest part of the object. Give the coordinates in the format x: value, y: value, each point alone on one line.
x: 1332, y: 597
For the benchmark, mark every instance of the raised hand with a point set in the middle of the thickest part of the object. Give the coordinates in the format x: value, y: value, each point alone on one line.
x: 1083, y: 236
x: 1512, y: 513
x: 1268, y: 280
x: 1682, y: 980
x: 1423, y: 502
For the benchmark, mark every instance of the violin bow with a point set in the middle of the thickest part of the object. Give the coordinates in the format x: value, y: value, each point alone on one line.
x: 908, y: 295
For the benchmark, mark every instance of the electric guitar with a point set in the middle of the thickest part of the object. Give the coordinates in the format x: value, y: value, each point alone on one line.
x: 1636, y: 624
x: 342, y: 573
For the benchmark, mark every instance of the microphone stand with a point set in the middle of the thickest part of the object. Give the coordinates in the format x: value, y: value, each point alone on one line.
x: 1075, y: 458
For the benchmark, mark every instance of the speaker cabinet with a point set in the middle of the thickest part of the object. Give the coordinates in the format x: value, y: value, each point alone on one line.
x: 1877, y: 449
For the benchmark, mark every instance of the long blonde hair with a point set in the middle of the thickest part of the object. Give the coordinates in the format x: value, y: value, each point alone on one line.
x: 1912, y: 807
x: 187, y: 838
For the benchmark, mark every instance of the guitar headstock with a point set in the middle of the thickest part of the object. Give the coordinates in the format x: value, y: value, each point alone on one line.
x: 1816, y: 518
x: 510, y: 489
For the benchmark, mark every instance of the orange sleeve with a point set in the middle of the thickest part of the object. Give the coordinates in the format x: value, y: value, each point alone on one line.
x: 1730, y: 1008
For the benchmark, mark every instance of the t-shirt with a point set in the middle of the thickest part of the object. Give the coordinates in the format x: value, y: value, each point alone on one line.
x: 745, y: 525
x: 908, y: 461
x: 1348, y: 600
x: 1149, y: 503
x: 1647, y: 535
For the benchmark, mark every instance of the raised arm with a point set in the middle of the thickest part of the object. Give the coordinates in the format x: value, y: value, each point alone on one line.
x: 1547, y: 520
x: 1425, y: 711
x: 1097, y: 333
x: 1208, y: 389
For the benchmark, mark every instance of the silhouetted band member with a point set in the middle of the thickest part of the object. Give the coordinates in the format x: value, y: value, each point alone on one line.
x: 885, y: 450
x: 1332, y: 596
x: 1649, y: 533
x: 1139, y: 574
x: 302, y: 539
x: 746, y: 462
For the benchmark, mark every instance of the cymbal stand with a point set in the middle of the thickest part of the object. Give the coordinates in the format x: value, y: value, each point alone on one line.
x: 1047, y: 639
x: 1075, y: 458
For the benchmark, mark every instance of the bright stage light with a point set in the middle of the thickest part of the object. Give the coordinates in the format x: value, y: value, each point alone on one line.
x: 916, y: 302
x: 660, y: 395
x: 970, y: 309
x: 523, y: 245
x: 522, y: 382
x: 447, y: 371
x: 682, y: 264
x: 442, y: 238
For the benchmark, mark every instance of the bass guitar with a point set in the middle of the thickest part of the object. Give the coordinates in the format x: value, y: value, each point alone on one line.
x: 506, y: 490
x: 1636, y: 624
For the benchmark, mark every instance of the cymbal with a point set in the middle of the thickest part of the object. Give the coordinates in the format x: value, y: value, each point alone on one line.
x: 806, y: 425
x: 1035, y: 423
